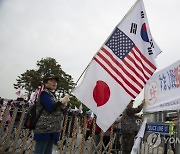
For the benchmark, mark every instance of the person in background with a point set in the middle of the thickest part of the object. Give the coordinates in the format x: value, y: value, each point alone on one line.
x: 117, y: 130
x: 106, y: 136
x: 129, y: 126
x: 48, y: 127
x: 89, y: 125
x: 171, y: 134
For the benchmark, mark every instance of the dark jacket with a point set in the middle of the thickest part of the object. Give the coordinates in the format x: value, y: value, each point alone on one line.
x: 128, y: 121
x: 51, y: 117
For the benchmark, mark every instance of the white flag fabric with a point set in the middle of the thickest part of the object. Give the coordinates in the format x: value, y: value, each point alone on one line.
x: 32, y: 97
x: 120, y: 69
x: 81, y: 109
x: 138, y: 30
x: 96, y: 79
x: 139, y: 137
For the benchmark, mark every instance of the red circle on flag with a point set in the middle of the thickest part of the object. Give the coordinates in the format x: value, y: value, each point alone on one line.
x: 101, y: 93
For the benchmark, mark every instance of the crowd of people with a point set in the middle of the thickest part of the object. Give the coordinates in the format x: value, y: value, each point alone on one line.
x: 125, y: 127
x: 48, y: 128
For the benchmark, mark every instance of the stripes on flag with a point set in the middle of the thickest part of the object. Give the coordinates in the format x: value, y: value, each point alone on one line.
x: 128, y: 67
x: 41, y: 88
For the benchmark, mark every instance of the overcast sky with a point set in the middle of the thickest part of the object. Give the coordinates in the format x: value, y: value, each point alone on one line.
x: 71, y: 31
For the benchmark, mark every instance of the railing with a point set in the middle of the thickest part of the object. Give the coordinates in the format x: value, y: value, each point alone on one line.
x: 14, y: 138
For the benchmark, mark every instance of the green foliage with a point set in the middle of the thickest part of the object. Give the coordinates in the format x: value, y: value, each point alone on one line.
x: 32, y: 79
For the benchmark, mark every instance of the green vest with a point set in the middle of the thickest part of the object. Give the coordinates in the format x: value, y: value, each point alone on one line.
x: 171, y: 127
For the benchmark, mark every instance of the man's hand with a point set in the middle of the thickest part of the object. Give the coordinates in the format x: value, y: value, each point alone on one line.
x: 143, y: 102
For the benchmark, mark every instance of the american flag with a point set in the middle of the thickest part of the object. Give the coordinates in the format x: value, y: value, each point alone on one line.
x: 41, y: 88
x: 125, y: 63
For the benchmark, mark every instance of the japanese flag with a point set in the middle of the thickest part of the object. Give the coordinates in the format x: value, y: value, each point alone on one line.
x: 101, y: 93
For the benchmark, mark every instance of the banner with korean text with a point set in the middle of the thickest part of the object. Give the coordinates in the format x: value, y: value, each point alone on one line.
x: 162, y: 91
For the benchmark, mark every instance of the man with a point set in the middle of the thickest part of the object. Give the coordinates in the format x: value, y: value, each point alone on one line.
x: 171, y: 134
x: 129, y: 126
x: 89, y: 125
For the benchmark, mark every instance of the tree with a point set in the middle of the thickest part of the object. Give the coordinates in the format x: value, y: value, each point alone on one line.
x: 32, y: 79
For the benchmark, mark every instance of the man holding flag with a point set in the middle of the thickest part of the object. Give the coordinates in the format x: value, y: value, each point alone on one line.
x: 129, y: 126
x: 120, y: 69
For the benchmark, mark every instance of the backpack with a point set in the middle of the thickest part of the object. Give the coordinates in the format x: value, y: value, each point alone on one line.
x: 31, y: 118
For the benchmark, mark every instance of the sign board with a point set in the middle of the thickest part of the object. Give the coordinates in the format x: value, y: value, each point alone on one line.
x: 157, y: 128
x: 162, y: 91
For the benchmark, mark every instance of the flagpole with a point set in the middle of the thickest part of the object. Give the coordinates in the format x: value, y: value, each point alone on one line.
x: 82, y: 73
x: 80, y: 77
